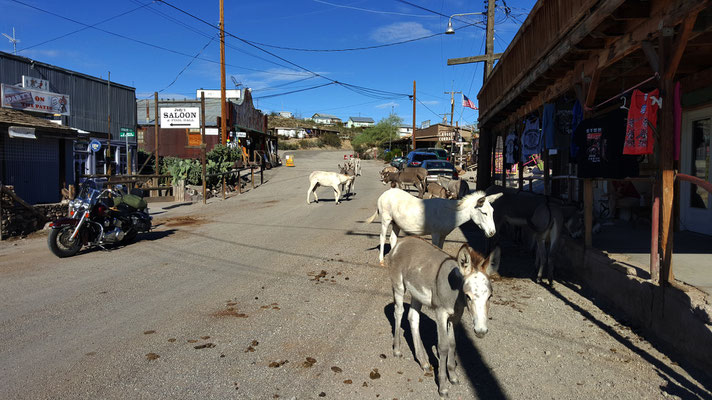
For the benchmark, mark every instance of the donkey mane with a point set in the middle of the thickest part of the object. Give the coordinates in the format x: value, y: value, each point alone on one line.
x: 467, y: 201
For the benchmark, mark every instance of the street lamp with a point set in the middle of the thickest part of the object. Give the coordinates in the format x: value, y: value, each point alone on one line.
x: 450, y: 30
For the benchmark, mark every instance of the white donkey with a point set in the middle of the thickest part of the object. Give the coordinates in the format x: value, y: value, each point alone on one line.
x: 447, y: 285
x: 331, y: 179
x: 437, y: 217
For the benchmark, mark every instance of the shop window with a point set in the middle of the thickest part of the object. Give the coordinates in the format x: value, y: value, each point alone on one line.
x: 701, y: 133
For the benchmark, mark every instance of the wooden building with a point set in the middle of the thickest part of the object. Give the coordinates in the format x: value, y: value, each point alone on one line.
x: 598, y: 52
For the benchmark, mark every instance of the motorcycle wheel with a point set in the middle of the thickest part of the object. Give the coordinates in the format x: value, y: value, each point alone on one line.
x: 60, y: 244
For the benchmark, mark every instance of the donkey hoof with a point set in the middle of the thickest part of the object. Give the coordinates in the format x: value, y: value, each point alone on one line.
x: 426, y: 367
x: 383, y: 263
x: 443, y: 393
x: 397, y: 353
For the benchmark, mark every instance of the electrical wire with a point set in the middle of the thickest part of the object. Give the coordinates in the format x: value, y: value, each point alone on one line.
x: 293, y: 91
x: 85, y: 28
x: 188, y: 65
x: 372, y: 11
x: 358, y: 89
x: 147, y: 43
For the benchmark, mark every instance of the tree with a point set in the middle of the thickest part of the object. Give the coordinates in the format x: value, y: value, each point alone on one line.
x: 385, y: 130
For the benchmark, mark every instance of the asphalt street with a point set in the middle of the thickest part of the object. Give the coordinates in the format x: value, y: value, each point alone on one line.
x: 262, y: 296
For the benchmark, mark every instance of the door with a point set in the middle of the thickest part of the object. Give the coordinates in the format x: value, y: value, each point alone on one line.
x: 696, y: 202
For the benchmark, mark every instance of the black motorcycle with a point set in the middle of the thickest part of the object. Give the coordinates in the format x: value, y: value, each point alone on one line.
x: 97, y: 218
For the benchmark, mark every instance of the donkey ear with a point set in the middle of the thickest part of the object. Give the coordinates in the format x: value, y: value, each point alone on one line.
x: 481, y: 202
x: 464, y: 259
x: 491, y: 264
x: 491, y: 198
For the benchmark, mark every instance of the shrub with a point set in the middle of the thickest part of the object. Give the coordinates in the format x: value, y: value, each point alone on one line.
x: 282, y: 145
x: 330, y: 139
x: 305, y: 144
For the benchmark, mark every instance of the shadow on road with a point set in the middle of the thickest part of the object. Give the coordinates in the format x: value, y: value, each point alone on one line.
x: 678, y: 385
x: 475, y: 368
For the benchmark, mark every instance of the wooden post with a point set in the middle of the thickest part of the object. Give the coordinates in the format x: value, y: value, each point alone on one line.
x: 223, y: 186
x: 262, y: 170
x: 155, y: 130
x: 203, y: 145
x: 588, y: 211
x: 547, y: 181
x: 520, y: 164
x: 670, y: 55
x: 223, y: 103
x: 483, y: 161
x: 1, y: 187
x: 252, y: 175
x: 414, y: 115
x: 654, y: 235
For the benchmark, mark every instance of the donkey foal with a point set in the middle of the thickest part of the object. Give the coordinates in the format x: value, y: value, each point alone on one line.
x: 445, y: 284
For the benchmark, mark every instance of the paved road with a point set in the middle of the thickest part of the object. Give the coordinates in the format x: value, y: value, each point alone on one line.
x: 261, y: 296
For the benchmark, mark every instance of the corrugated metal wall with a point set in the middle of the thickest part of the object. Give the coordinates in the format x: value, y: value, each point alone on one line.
x: 88, y: 95
x: 31, y: 167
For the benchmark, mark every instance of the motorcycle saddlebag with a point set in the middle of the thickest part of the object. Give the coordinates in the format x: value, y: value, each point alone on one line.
x: 131, y: 200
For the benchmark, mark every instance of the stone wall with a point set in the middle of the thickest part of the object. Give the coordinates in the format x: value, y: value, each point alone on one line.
x: 20, y: 221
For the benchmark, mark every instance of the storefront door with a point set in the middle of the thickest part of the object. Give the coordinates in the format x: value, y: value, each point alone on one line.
x: 696, y: 202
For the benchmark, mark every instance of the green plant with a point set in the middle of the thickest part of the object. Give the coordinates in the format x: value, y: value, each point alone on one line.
x: 287, y: 145
x: 305, y: 144
x: 330, y: 139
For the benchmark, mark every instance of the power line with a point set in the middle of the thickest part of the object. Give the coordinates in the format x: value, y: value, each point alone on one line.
x: 146, y: 43
x: 371, y: 11
x: 358, y: 89
x: 187, y: 65
x: 86, y: 27
x: 294, y: 91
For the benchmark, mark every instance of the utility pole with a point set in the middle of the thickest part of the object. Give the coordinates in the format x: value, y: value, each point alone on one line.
x: 414, y: 115
x: 489, y: 56
x: 155, y: 130
x: 452, y: 101
x: 223, y: 105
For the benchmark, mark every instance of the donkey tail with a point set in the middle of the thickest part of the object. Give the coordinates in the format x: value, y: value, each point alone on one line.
x: 373, y: 217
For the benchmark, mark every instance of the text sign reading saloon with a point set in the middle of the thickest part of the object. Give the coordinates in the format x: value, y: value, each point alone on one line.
x: 34, y: 100
x: 180, y: 117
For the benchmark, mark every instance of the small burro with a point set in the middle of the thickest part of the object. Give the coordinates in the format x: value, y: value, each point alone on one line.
x: 447, y: 285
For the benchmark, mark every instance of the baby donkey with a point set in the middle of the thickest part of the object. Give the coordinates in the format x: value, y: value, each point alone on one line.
x: 445, y: 284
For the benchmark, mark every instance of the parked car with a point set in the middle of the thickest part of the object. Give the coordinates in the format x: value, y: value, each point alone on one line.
x: 437, y: 168
x: 416, y: 158
x: 398, y: 162
x: 441, y: 153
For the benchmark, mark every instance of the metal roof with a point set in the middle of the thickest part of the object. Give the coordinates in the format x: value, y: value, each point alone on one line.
x: 317, y: 115
x: 362, y: 119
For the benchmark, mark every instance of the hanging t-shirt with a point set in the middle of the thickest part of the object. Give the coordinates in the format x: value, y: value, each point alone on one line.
x: 511, y: 149
x: 548, y: 126
x: 600, y: 142
x: 531, y: 138
x: 576, y: 118
x: 562, y: 120
x: 642, y: 119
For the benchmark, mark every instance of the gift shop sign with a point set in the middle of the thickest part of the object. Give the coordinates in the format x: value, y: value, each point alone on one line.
x: 34, y: 100
x: 180, y: 117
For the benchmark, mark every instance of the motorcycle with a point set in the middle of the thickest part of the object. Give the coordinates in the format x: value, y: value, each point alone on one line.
x: 97, y: 218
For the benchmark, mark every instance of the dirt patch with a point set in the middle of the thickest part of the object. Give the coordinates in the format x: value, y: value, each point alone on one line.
x: 183, y: 221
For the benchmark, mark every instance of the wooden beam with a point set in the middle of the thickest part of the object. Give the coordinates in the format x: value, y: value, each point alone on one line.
x: 678, y: 48
x: 651, y: 55
x: 473, y: 59
x: 677, y: 10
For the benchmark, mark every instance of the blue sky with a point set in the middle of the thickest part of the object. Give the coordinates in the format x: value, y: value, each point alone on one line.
x: 147, y: 44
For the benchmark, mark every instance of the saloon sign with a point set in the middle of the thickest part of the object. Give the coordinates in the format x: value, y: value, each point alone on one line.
x: 180, y: 117
x: 34, y: 100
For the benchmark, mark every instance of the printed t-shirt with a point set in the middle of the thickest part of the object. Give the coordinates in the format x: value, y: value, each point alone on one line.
x: 531, y: 139
x: 510, y: 149
x: 548, y: 126
x: 600, y: 142
x: 642, y: 119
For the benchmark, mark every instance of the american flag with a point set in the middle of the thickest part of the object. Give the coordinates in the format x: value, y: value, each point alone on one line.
x: 468, y: 103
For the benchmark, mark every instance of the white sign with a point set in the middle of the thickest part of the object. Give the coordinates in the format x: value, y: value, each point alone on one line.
x: 241, y: 134
x: 34, y: 100
x: 215, y: 94
x: 22, y: 132
x: 29, y: 82
x: 211, y: 131
x: 180, y: 117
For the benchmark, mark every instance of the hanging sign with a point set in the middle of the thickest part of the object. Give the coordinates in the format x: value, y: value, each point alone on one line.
x: 241, y: 134
x: 94, y: 145
x: 21, y: 132
x: 34, y: 100
x: 29, y: 82
x: 180, y: 117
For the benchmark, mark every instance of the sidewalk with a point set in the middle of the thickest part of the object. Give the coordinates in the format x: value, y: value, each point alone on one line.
x: 691, y: 261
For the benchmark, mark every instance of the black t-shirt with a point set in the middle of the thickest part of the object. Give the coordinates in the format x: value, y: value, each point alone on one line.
x: 600, y: 141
